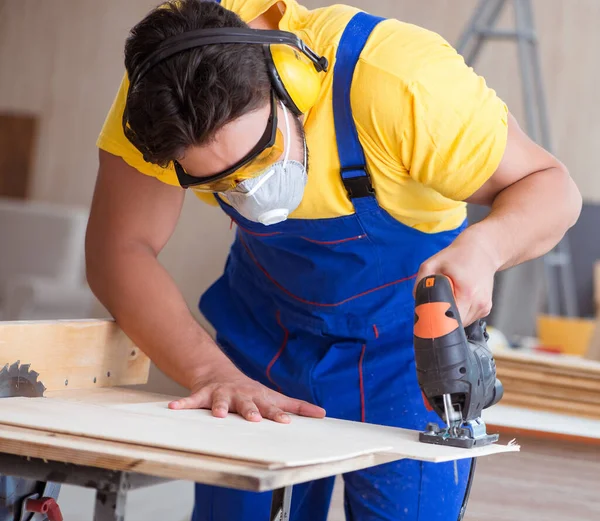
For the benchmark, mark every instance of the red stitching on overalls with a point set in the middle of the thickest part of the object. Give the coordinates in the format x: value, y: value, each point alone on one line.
x: 304, y: 301
x: 376, y: 331
x: 256, y: 234
x: 286, y: 335
x: 339, y: 241
x: 314, y: 241
x: 362, y: 384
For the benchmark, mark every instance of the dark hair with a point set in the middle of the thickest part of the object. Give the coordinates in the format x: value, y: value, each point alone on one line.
x: 186, y: 98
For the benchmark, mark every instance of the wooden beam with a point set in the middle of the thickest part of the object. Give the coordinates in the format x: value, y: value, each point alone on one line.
x: 74, y: 354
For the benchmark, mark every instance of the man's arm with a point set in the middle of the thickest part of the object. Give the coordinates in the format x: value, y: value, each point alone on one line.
x: 533, y: 203
x: 132, y: 218
x: 533, y: 198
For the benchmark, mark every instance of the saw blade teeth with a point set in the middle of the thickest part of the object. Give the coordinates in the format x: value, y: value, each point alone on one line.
x: 21, y: 379
x: 40, y: 388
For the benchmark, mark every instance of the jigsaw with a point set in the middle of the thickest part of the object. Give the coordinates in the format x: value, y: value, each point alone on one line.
x: 456, y: 370
x: 25, y: 499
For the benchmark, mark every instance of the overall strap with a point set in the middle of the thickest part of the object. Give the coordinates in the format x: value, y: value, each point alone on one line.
x: 355, y: 176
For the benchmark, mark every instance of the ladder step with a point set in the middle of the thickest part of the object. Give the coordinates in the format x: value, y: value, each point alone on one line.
x: 505, y: 34
x: 557, y: 259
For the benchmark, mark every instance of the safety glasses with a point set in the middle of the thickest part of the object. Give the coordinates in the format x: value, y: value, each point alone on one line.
x: 267, y: 151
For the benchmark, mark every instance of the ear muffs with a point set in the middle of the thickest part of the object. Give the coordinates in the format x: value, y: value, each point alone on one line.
x: 295, y: 80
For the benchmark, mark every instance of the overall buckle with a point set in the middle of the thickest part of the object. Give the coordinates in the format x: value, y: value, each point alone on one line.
x: 359, y: 186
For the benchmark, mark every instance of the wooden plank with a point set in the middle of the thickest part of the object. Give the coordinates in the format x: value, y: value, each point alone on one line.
x: 593, y: 351
x: 169, y: 464
x: 563, y: 364
x: 76, y: 354
x: 597, y: 288
x: 544, y: 403
x: 306, y: 441
x: 544, y: 377
x: 549, y: 390
x: 551, y: 425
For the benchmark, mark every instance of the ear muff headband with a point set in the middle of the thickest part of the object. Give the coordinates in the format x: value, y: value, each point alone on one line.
x: 189, y: 40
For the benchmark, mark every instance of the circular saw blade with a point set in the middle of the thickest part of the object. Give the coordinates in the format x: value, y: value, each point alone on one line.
x: 20, y: 380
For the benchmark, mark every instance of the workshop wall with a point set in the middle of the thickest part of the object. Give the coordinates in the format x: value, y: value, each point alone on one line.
x: 61, y: 60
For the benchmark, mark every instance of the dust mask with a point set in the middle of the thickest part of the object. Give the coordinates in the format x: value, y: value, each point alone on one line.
x: 271, y: 196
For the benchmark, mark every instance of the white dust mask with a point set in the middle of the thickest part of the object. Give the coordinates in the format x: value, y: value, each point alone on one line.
x: 270, y: 197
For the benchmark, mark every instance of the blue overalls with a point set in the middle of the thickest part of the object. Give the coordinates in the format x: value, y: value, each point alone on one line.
x: 322, y: 310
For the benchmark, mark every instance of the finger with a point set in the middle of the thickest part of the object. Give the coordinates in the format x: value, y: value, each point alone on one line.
x: 272, y: 412
x: 465, y: 310
x: 247, y: 408
x: 301, y: 408
x: 198, y: 400
x: 221, y: 403
x: 426, y: 269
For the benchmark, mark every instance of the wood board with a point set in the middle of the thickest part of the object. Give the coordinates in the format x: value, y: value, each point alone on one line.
x: 575, y: 364
x: 524, y: 419
x: 74, y: 353
x: 556, y: 383
x: 304, y: 442
x: 170, y: 464
x: 177, y: 465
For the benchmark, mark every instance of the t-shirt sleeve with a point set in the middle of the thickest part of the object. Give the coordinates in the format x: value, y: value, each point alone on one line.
x: 112, y: 139
x: 434, y: 114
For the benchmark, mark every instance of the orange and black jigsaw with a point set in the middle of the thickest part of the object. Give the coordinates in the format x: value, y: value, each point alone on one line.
x: 455, y: 367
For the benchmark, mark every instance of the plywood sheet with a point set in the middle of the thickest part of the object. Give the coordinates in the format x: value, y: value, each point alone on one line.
x: 304, y: 442
x: 542, y: 421
x: 171, y: 464
x: 74, y: 354
x: 563, y: 364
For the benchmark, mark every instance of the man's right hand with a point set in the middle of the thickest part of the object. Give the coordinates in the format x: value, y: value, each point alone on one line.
x: 232, y: 391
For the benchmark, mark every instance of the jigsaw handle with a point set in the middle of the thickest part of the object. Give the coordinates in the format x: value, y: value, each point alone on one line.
x: 449, y: 359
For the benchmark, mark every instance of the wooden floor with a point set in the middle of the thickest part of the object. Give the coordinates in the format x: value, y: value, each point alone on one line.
x: 546, y: 481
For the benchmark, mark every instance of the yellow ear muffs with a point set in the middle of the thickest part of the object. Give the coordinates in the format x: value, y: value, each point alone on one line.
x: 294, y: 78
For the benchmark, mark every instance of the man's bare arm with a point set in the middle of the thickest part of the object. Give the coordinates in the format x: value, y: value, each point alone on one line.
x: 533, y: 200
x: 533, y: 203
x: 131, y: 220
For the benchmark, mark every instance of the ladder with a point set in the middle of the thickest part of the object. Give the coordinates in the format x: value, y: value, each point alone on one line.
x: 561, y: 297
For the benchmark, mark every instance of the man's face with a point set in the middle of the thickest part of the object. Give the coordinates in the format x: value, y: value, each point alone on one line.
x: 236, y: 139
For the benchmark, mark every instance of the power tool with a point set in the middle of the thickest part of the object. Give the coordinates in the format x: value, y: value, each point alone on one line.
x: 456, y: 370
x: 23, y: 499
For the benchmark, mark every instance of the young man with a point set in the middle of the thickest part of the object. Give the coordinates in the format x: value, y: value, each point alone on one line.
x: 314, y: 311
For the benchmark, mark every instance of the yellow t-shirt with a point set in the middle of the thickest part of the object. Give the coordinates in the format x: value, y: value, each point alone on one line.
x: 433, y: 132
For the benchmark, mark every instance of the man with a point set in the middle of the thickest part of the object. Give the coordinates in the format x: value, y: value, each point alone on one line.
x: 347, y: 188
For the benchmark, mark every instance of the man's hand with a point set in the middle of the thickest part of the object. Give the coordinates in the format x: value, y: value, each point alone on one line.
x: 471, y: 263
x: 232, y: 391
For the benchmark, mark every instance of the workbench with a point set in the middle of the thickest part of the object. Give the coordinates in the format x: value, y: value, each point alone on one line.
x: 75, y: 359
